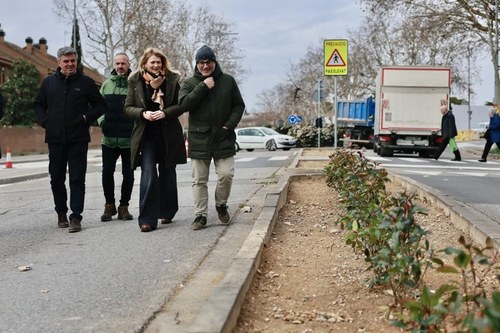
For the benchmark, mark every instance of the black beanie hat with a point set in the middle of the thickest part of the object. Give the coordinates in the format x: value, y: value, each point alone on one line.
x: 205, y: 53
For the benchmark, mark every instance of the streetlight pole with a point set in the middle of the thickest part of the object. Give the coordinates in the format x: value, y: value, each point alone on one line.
x: 469, y: 111
x: 74, y: 24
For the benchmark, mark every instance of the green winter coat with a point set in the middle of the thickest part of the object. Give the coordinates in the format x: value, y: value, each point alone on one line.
x: 210, y: 110
x: 172, y: 131
x: 114, y: 85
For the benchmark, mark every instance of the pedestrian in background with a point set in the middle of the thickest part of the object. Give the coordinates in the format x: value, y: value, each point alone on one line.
x: 487, y: 137
x: 448, y: 133
x: 65, y: 106
x: 157, y: 140
x: 494, y: 135
x: 215, y: 107
x: 116, y: 129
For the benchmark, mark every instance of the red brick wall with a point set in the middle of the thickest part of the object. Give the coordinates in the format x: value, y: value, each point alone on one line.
x: 29, y: 140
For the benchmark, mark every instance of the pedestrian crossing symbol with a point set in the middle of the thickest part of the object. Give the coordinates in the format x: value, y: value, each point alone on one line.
x: 335, y: 60
x: 335, y: 57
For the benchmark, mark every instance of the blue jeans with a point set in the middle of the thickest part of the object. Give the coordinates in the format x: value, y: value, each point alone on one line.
x: 109, y: 158
x: 73, y: 156
x: 158, y: 189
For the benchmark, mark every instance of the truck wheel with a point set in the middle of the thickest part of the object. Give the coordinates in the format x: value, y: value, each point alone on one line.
x: 386, y: 152
x: 424, y: 154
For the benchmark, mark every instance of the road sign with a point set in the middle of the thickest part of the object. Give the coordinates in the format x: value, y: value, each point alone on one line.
x: 294, y: 119
x: 335, y: 56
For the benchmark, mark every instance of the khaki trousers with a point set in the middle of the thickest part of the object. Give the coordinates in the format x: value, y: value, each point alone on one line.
x: 224, y: 168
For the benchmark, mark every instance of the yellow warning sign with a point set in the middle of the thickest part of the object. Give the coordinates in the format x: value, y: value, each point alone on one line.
x: 335, y: 56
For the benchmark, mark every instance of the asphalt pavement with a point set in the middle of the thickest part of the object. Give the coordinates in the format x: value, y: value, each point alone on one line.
x: 216, y: 309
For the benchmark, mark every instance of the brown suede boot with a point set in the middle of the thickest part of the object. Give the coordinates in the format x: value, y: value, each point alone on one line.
x: 123, y: 213
x: 62, y: 220
x: 109, y: 211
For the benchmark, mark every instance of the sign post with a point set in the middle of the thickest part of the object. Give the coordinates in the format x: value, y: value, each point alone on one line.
x: 335, y: 64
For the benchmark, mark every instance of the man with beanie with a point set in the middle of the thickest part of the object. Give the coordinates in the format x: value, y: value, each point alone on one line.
x: 116, y: 130
x: 65, y: 106
x: 215, y: 107
x: 448, y: 132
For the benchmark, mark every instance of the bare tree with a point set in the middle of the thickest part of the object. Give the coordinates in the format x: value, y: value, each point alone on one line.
x: 133, y: 25
x: 476, y: 17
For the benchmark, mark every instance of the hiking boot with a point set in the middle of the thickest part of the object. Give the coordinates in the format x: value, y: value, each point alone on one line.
x: 223, y: 214
x: 109, y: 211
x: 62, y: 220
x: 199, y: 222
x: 74, y: 225
x: 123, y: 213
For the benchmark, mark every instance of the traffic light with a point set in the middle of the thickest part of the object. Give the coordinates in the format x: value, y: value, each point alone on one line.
x: 318, y: 123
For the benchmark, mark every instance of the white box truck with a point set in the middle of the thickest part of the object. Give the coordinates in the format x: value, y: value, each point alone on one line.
x: 407, y: 109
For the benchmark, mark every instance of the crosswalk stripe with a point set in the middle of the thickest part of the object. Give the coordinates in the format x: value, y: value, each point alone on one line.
x: 413, y: 160
x: 429, y: 173
x: 245, y: 159
x: 278, y: 158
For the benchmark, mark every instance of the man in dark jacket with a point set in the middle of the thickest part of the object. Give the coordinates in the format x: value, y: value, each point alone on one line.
x: 448, y: 132
x: 215, y: 107
x: 65, y: 105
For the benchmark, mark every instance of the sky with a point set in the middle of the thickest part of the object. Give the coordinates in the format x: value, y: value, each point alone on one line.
x: 272, y: 35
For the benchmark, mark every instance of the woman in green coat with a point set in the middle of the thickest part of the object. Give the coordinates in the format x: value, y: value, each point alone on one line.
x: 157, y: 141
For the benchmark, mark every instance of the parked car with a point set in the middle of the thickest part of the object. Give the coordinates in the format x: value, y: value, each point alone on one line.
x: 481, y: 128
x: 251, y: 138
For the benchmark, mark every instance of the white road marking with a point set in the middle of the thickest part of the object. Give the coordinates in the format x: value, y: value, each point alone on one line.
x: 413, y: 160
x: 245, y: 159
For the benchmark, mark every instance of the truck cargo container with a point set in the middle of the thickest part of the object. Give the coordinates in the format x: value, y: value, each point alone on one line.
x: 407, y: 109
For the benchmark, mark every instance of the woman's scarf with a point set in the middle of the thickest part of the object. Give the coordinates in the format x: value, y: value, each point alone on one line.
x: 155, y: 81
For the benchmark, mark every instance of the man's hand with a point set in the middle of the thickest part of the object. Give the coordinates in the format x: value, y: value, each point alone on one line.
x: 209, y: 82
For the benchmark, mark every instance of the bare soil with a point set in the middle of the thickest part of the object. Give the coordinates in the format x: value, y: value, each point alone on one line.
x: 309, y: 280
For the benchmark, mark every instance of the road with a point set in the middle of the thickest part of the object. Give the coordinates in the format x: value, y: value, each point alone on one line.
x: 468, y: 181
x: 110, y: 277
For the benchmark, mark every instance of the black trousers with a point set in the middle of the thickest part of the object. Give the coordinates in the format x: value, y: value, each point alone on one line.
x: 72, y: 156
x: 487, y: 148
x: 158, y: 196
x: 109, y: 158
x: 442, y: 147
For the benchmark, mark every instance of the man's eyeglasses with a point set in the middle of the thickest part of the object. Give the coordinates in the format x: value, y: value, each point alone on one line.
x: 205, y: 62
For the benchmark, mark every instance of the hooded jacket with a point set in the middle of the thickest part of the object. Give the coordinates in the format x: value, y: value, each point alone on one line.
x: 210, y: 110
x: 116, y: 126
x: 61, y: 103
x: 135, y: 105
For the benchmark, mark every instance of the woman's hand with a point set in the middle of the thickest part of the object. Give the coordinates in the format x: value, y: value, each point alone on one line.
x: 153, y: 115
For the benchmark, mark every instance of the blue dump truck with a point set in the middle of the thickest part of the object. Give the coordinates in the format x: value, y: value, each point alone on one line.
x: 356, y: 119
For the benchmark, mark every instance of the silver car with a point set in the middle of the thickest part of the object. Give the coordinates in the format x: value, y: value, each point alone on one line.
x: 251, y: 138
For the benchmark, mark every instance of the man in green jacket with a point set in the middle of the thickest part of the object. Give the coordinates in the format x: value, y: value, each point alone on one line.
x: 215, y: 107
x: 116, y: 129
